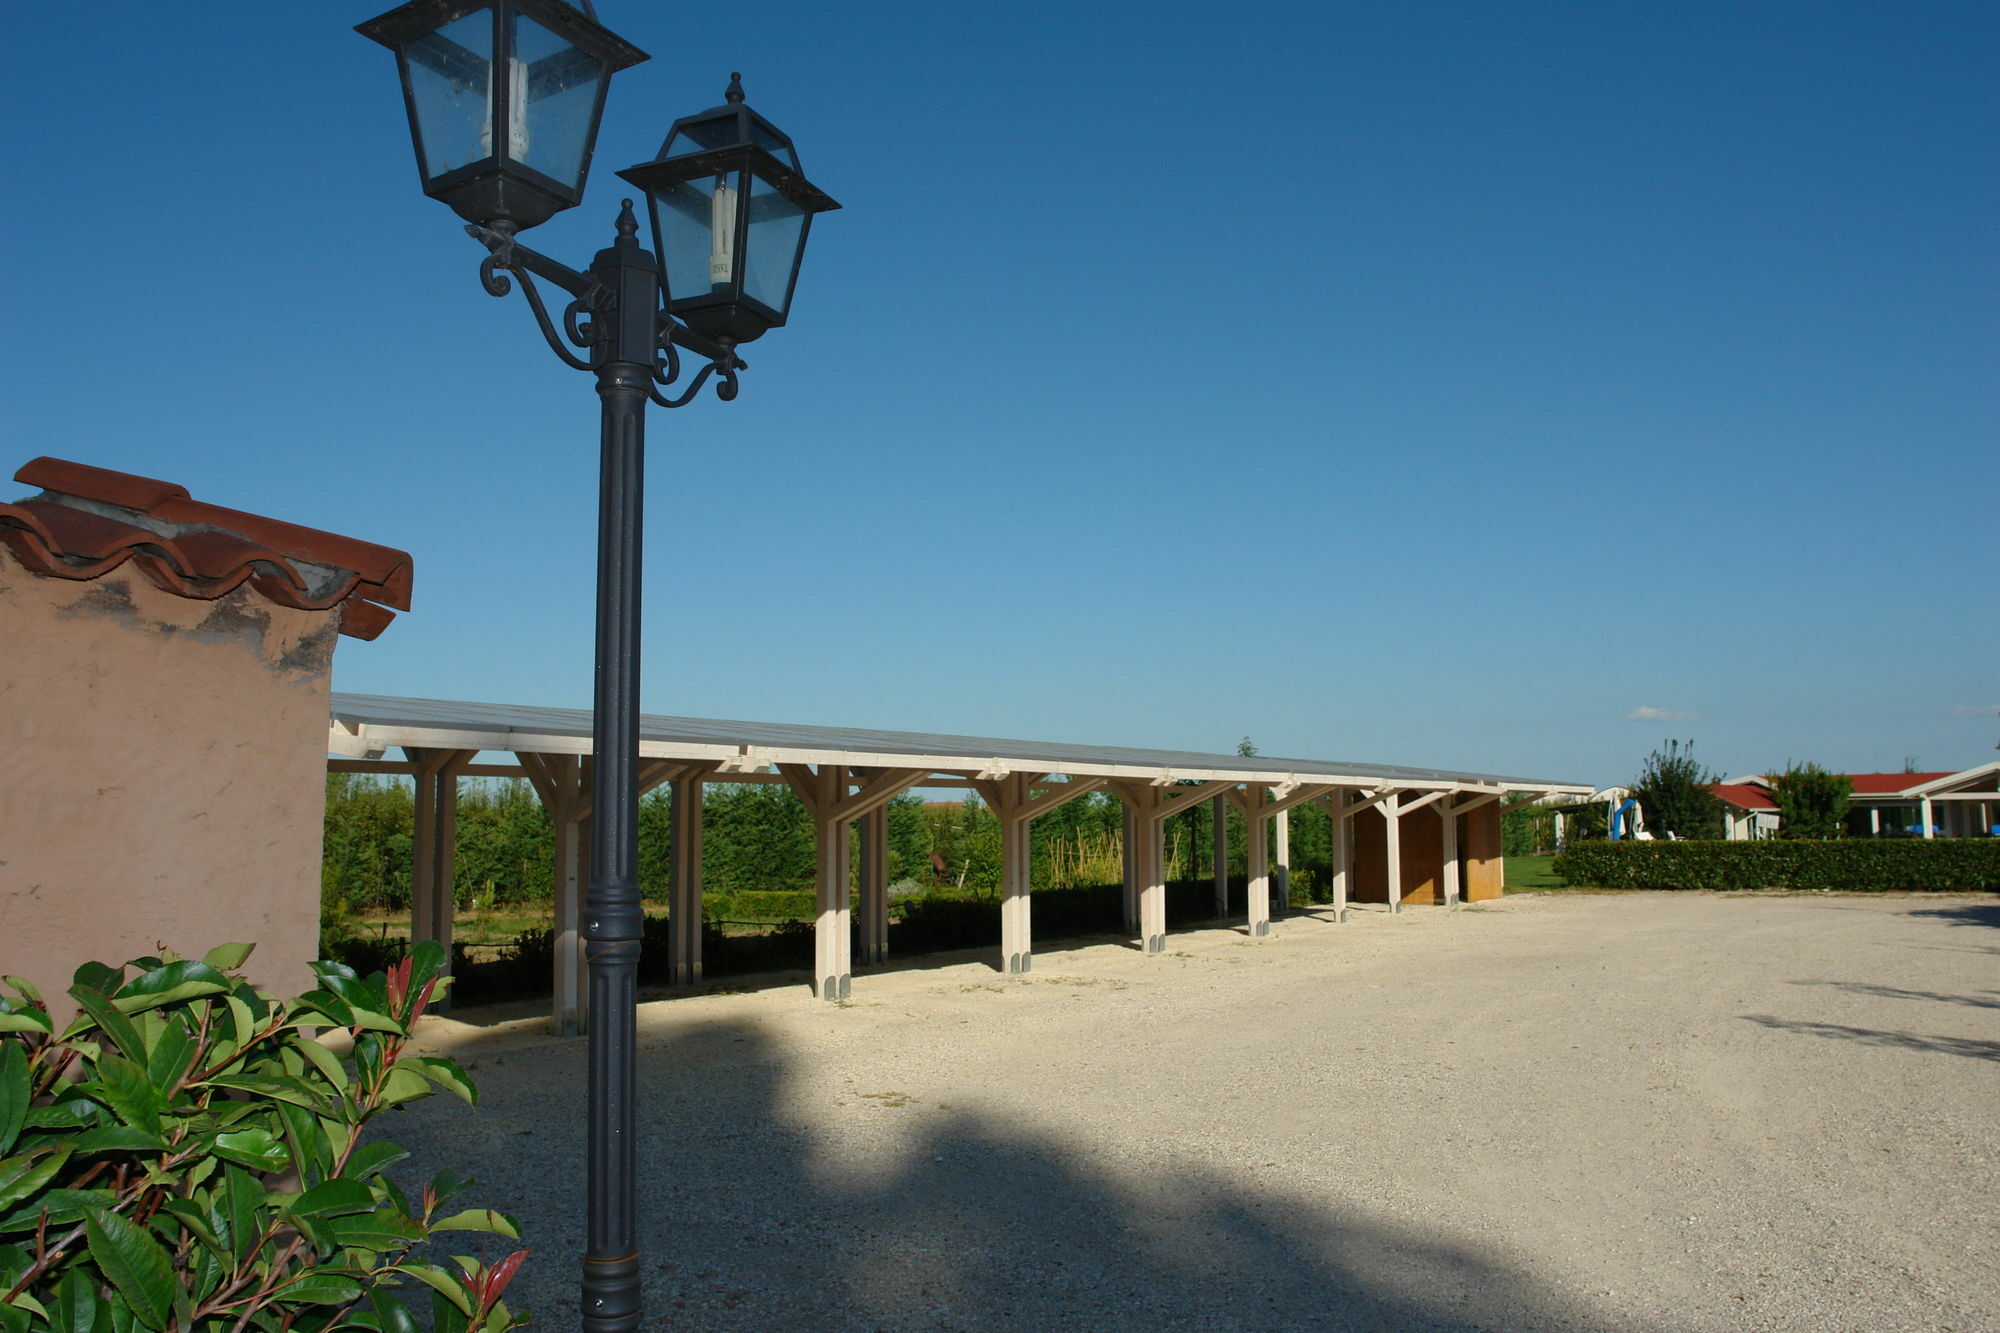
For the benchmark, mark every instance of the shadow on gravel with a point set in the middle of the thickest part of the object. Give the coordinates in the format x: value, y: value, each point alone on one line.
x: 1908, y: 1041
x: 1966, y: 914
x: 905, y: 1214
x: 1984, y: 1000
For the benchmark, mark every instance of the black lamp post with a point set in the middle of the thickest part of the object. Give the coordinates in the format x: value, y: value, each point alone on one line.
x: 504, y: 98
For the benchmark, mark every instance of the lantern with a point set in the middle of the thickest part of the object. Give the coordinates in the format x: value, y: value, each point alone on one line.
x: 730, y: 214
x: 504, y: 99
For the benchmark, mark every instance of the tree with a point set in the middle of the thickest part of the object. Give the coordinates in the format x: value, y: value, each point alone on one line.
x: 1674, y: 792
x: 1812, y: 803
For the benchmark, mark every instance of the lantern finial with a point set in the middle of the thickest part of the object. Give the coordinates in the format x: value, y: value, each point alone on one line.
x: 735, y: 93
x: 628, y: 224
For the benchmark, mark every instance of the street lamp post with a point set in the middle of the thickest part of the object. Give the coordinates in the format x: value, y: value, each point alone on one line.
x: 504, y: 98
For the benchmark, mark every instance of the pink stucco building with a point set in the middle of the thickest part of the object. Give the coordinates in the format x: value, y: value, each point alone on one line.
x: 165, y: 667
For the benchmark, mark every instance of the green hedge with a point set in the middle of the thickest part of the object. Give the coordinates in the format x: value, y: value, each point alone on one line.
x: 1945, y: 865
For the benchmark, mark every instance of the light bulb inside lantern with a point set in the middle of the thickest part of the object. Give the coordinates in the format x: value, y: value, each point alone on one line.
x: 721, y: 233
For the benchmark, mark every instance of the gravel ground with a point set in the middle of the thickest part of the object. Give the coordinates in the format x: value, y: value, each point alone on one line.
x: 1630, y: 1112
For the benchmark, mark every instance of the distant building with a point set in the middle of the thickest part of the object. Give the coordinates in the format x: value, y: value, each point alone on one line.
x: 1965, y: 804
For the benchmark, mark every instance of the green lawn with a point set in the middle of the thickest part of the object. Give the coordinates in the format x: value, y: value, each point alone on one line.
x: 1531, y: 874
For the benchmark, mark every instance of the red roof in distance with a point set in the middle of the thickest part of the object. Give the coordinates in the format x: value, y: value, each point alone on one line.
x: 1886, y: 784
x: 1743, y: 795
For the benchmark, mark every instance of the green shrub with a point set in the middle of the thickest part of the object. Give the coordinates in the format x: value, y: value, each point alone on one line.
x: 1674, y: 791
x: 187, y: 1155
x: 1954, y: 865
x: 1812, y: 803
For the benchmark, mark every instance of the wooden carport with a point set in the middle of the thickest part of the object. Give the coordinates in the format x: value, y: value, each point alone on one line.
x: 846, y: 777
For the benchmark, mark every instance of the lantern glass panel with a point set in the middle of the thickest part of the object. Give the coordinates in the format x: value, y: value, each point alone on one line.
x: 772, y: 247
x: 702, y: 136
x: 697, y: 234
x: 773, y: 145
x: 553, y: 90
x: 451, y: 91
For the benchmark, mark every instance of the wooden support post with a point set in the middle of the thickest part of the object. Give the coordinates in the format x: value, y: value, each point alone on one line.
x: 1448, y: 813
x: 568, y: 981
x: 1013, y: 801
x: 1153, y: 885
x: 833, y: 808
x: 423, y: 850
x: 1257, y: 843
x: 1392, y: 848
x: 1131, y: 870
x: 1281, y: 870
x: 1924, y: 807
x: 684, y: 879
x: 562, y: 783
x: 875, y: 885
x: 1017, y: 949
x: 1148, y: 806
x: 1220, y: 841
x: 1343, y: 852
x: 434, y: 848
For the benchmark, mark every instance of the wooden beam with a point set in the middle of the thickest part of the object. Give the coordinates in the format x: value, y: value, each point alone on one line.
x: 1423, y: 801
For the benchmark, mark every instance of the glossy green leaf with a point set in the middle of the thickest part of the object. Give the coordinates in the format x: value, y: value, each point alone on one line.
x: 392, y: 1315
x: 446, y: 1318
x: 325, y: 1061
x: 242, y: 1196
x: 326, y: 1003
x: 168, y: 984
x: 310, y: 1152
x: 69, y: 1113
x: 445, y: 1284
x: 446, y: 1074
x: 97, y: 977
x: 27, y: 989
x: 228, y: 957
x: 244, y: 1022
x: 135, y: 1264
x: 76, y: 1308
x: 196, y: 1219
x: 370, y: 995
x: 404, y: 1085
x: 322, y: 1289
x: 23, y: 1176
x: 276, y: 1087
x: 480, y: 1219
x: 97, y: 1008
x: 64, y: 1206
x: 380, y: 1232
x: 370, y: 1158
x: 331, y: 1198
x: 446, y: 1185
x: 115, y: 1138
x: 427, y: 960
x: 254, y: 1148
x: 171, y: 1053
x: 13, y: 1018
x: 31, y: 1305
x: 123, y: 1086
x: 14, y: 1090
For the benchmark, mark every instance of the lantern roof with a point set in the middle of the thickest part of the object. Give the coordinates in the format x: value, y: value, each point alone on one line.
x: 410, y: 21
x: 731, y: 125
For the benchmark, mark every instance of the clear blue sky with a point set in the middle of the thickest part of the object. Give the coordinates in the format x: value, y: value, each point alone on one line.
x: 1414, y: 383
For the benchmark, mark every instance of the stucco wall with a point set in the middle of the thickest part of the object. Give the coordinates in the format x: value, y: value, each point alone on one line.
x: 162, y: 775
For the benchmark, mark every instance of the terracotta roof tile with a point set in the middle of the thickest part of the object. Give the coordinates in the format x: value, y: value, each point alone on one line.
x: 89, y: 520
x: 1882, y: 784
x: 1743, y: 795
